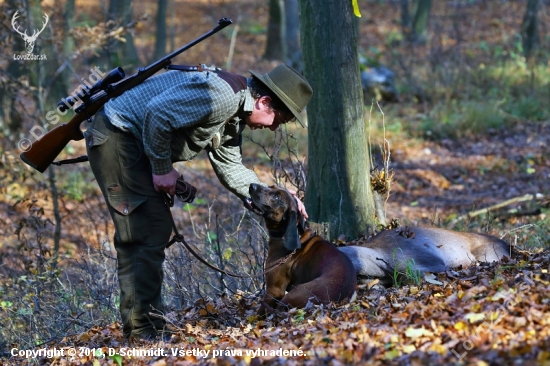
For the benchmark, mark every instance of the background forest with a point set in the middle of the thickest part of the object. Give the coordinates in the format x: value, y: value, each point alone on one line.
x: 465, y: 136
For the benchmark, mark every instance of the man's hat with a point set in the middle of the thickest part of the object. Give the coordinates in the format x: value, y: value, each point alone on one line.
x: 291, y: 88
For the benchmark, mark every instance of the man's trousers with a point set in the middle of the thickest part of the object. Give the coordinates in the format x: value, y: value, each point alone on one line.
x: 141, y: 218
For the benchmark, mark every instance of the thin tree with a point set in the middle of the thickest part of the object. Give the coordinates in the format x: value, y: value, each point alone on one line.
x: 50, y: 87
x: 53, y: 81
x: 122, y: 54
x: 416, y: 29
x: 10, y: 119
x: 275, y: 31
x: 68, y: 42
x: 421, y: 20
x: 338, y: 183
x: 293, y: 54
x: 529, y: 28
x: 160, y: 32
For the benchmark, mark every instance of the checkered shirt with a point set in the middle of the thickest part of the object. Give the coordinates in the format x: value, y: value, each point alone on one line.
x: 178, y: 114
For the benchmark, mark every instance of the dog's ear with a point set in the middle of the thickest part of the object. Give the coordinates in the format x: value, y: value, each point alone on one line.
x: 291, y: 239
x: 292, y: 235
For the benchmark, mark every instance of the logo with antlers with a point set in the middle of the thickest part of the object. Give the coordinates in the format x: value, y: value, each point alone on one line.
x: 29, y: 40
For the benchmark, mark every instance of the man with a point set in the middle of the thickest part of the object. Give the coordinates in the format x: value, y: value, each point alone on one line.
x: 171, y: 117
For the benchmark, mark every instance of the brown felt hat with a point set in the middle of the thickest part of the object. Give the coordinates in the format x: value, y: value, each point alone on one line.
x: 290, y: 86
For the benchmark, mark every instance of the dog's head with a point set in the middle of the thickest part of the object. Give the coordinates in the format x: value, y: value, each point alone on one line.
x: 280, y: 211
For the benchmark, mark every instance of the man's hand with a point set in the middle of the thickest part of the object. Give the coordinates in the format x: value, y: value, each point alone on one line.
x: 167, y: 182
x: 301, y: 206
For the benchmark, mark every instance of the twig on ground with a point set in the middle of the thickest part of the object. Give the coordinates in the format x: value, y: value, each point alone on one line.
x: 527, y: 197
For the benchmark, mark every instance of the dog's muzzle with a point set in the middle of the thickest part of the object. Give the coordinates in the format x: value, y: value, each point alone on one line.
x: 252, y: 207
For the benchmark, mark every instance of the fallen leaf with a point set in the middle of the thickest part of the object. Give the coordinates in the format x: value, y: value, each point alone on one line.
x: 430, y: 278
x: 474, y: 317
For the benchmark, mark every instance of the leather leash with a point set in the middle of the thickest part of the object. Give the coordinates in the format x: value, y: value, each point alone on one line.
x: 180, y: 239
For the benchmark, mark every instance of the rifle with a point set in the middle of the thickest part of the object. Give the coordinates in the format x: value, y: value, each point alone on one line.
x: 44, y: 150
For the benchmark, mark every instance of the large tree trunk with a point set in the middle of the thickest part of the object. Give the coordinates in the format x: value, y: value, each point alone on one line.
x: 160, y: 34
x: 338, y: 182
x: 529, y: 28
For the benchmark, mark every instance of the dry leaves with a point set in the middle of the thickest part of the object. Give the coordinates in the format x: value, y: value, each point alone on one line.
x: 489, y: 314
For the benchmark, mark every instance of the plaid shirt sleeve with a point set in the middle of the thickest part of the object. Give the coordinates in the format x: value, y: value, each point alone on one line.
x: 227, y: 164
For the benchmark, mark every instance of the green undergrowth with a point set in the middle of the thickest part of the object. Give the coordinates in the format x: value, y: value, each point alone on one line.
x: 461, y: 101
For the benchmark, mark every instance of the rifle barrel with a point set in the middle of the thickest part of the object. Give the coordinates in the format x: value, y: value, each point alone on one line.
x: 222, y: 23
x: 44, y: 151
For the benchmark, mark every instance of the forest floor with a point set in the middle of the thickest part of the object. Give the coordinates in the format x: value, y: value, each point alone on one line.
x: 487, y: 314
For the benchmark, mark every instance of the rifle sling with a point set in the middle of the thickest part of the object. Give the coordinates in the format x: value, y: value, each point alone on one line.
x: 80, y: 159
x: 236, y: 82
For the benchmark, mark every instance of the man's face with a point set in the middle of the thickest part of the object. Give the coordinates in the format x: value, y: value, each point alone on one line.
x: 264, y: 116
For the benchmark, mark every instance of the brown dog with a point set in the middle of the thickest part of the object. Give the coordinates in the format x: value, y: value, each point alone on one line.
x: 424, y: 249
x: 316, y: 272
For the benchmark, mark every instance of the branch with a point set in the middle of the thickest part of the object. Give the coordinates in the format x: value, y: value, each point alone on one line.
x: 527, y: 197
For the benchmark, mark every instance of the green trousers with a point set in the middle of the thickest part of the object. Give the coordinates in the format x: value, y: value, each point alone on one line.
x: 141, y: 218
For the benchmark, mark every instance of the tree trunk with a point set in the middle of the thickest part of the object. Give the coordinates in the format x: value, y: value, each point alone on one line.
x: 10, y: 119
x: 54, y: 83
x: 419, y: 31
x: 50, y: 88
x: 293, y: 55
x: 160, y: 35
x: 338, y: 182
x: 125, y: 54
x: 130, y: 56
x: 274, y: 47
x: 172, y: 12
x: 405, y: 19
x: 68, y: 42
x: 529, y: 28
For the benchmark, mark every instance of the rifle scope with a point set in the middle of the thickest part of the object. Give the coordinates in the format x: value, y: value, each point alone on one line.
x: 114, y: 76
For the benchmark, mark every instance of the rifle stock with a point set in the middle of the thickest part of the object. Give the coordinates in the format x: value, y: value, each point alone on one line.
x: 44, y: 150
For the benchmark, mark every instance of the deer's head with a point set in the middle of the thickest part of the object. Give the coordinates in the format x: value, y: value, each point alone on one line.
x: 29, y: 40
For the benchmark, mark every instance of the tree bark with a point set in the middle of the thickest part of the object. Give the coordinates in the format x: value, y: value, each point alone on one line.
x: 50, y: 88
x: 419, y: 27
x: 338, y: 183
x: 293, y: 54
x: 405, y: 18
x: 529, y: 28
x: 10, y: 119
x: 54, y: 83
x: 68, y: 42
x: 160, y: 33
x: 274, y: 47
x: 125, y: 54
